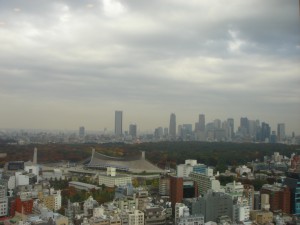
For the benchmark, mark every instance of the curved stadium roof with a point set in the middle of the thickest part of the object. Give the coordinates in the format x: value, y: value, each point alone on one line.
x: 136, y: 164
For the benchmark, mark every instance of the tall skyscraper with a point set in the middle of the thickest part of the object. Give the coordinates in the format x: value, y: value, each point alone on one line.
x: 81, y: 131
x: 217, y: 124
x: 280, y: 132
x: 118, y: 123
x: 244, y: 126
x: 172, y: 127
x: 230, y: 123
x: 201, y: 122
x: 265, y: 132
x: 132, y: 130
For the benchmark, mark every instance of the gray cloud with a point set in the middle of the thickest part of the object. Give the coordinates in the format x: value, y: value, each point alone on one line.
x: 148, y: 58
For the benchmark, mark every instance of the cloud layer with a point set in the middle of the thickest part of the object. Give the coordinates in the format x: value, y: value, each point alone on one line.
x: 65, y: 63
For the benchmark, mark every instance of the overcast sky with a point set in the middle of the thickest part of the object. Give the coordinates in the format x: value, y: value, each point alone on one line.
x: 67, y: 63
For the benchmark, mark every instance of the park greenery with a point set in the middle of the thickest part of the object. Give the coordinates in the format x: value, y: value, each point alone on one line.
x: 162, y: 154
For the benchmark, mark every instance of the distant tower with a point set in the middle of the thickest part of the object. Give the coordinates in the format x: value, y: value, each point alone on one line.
x: 201, y: 122
x: 81, y: 131
x: 172, y: 127
x: 244, y: 126
x: 230, y: 123
x: 280, y: 131
x: 132, y: 130
x: 118, y: 123
x: 35, y: 156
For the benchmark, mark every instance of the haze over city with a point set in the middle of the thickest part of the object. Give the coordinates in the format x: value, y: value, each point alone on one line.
x: 67, y: 63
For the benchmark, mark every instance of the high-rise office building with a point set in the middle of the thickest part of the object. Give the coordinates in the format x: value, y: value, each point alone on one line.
x: 265, y: 132
x: 118, y: 123
x: 217, y: 124
x: 172, y: 127
x: 230, y: 124
x: 280, y: 132
x: 81, y: 131
x: 132, y: 130
x: 244, y: 126
x: 201, y: 122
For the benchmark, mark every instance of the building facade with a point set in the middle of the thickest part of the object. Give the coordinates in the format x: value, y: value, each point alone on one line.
x: 172, y: 126
x: 118, y: 123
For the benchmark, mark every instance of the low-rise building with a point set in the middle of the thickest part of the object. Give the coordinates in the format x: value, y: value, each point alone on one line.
x: 261, y: 217
x: 154, y: 215
x: 83, y: 186
x: 111, y: 179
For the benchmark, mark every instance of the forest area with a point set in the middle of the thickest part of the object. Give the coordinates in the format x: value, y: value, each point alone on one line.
x: 217, y: 154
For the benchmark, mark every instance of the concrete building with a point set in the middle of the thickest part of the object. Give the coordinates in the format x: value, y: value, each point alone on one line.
x: 216, y: 204
x: 136, y: 217
x: 205, y: 182
x: 89, y: 205
x: 240, y: 212
x: 142, y: 199
x: 279, y: 197
x: 261, y: 217
x: 164, y: 185
x: 133, y: 130
x: 182, y: 188
x: 51, y: 198
x: 281, y: 132
x: 154, y: 215
x: 235, y: 189
x: 3, y: 199
x: 81, y: 132
x: 187, y: 219
x: 292, y: 180
x: 193, y: 204
x: 191, y: 165
x: 112, y: 179
x: 129, y: 203
x: 172, y: 126
x: 180, y: 208
x: 118, y: 123
x: 230, y: 124
x: 82, y: 186
x: 242, y: 170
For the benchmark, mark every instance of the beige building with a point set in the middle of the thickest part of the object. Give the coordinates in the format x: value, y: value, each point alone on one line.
x: 51, y: 199
x: 261, y: 217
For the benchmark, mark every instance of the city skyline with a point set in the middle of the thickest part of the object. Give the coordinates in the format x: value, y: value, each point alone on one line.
x: 65, y: 64
x: 120, y: 125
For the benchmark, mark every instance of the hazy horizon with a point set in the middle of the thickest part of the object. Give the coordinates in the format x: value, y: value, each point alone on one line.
x: 71, y: 63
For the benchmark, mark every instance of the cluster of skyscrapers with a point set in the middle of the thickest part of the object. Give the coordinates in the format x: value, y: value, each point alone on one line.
x: 216, y: 130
